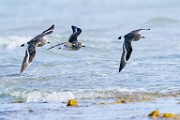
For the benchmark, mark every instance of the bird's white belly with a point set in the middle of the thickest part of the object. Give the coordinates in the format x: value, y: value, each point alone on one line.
x: 66, y: 47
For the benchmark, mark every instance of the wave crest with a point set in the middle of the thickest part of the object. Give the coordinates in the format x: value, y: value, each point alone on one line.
x: 63, y: 96
x: 162, y: 21
x: 12, y: 42
x: 110, y: 93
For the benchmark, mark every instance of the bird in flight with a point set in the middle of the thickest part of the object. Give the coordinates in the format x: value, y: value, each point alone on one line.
x: 127, y: 48
x: 31, y: 45
x: 73, y: 44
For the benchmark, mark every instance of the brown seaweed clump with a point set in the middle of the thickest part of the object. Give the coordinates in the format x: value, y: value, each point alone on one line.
x: 121, y: 101
x: 72, y: 102
x: 169, y: 115
x: 154, y: 114
x: 18, y: 101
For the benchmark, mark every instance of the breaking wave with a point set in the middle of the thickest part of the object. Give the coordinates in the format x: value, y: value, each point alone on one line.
x: 12, y: 42
x: 63, y: 96
x: 162, y: 21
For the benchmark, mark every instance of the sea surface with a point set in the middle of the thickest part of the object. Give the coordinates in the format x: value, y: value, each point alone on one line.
x: 89, y: 75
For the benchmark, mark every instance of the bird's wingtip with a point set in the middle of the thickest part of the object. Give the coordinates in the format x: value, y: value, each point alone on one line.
x: 146, y: 29
x: 52, y: 26
x: 73, y: 26
x: 120, y: 69
x: 21, y: 71
x: 48, y: 48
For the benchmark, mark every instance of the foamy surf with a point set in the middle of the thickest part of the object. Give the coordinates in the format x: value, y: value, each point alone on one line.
x: 12, y: 42
x: 49, y: 97
x: 64, y: 96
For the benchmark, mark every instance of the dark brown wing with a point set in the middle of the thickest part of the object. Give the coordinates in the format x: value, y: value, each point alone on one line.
x: 29, y: 56
x: 123, y: 59
x: 39, y: 38
x: 136, y: 31
x: 76, y: 32
x: 74, y: 28
x: 128, y: 48
x: 49, y: 30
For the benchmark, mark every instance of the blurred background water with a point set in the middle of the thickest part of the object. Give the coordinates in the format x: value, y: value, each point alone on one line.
x: 92, y: 72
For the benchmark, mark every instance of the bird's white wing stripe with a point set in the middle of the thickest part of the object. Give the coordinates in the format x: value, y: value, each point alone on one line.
x: 125, y: 53
x: 27, y: 51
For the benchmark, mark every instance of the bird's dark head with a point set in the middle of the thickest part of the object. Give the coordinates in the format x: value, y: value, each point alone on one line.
x: 22, y: 45
x: 119, y: 37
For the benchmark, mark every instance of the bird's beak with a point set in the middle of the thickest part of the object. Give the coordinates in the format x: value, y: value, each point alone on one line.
x: 49, y: 42
x: 83, y: 46
x: 119, y: 37
x: 142, y: 36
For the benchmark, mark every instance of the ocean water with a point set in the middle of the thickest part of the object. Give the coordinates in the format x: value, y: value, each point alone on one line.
x: 89, y: 75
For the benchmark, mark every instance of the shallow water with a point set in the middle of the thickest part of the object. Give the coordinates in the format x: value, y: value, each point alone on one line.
x: 87, y: 110
x: 91, y: 73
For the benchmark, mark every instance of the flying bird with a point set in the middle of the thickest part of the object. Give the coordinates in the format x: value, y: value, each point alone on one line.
x: 127, y: 48
x: 73, y: 44
x: 31, y: 45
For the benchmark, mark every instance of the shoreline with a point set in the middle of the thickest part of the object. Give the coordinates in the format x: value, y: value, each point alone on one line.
x: 88, y: 110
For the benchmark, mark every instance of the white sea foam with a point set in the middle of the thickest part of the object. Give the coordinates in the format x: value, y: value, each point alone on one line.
x: 49, y: 97
x: 64, y: 96
x: 13, y: 42
x: 80, y: 94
